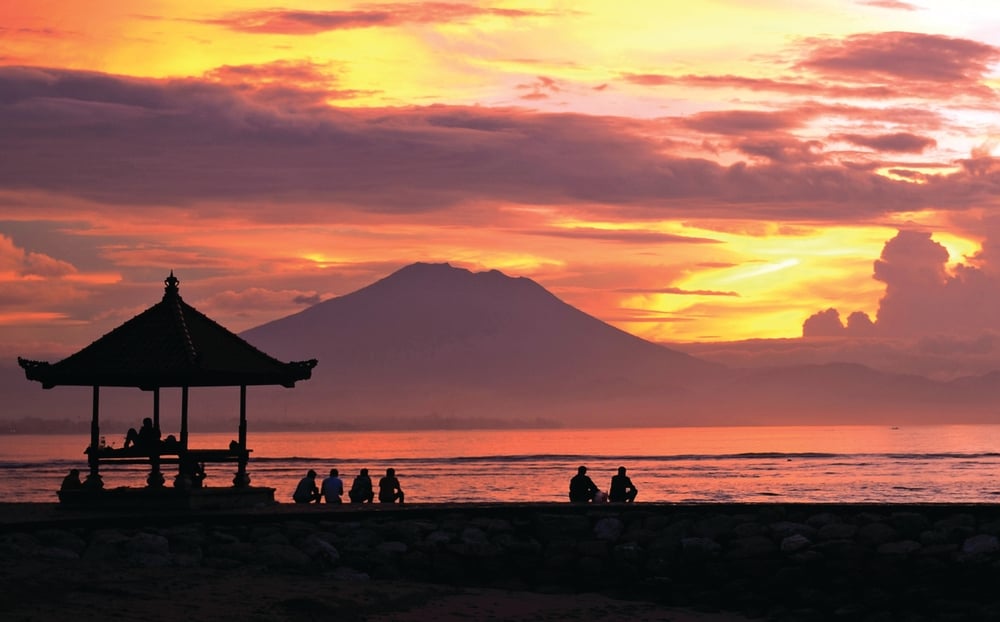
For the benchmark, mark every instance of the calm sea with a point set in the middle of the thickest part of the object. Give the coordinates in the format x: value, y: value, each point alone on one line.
x: 953, y: 463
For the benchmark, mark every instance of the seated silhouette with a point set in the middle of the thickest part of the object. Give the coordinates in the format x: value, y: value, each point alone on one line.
x: 145, y: 439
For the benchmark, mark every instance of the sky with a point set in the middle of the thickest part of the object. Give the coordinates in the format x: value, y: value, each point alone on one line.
x: 748, y: 178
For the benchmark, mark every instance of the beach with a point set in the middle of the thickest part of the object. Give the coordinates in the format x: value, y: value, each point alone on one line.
x: 505, y: 562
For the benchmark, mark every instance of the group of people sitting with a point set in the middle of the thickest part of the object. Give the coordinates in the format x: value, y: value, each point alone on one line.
x: 362, y: 491
x: 583, y: 490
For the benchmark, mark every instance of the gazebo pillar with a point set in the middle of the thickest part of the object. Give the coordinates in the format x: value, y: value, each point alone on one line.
x: 242, y: 479
x: 93, y: 460
x: 182, y: 480
x: 155, y: 478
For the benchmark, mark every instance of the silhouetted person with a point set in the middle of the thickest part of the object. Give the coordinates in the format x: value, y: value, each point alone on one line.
x: 622, y: 490
x: 191, y: 475
x: 145, y: 438
x: 388, y: 488
x: 581, y: 487
x: 306, y: 491
x: 333, y: 487
x: 72, y: 480
x: 361, y: 489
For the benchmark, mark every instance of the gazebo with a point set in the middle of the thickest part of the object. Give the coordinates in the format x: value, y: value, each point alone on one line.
x: 169, y: 345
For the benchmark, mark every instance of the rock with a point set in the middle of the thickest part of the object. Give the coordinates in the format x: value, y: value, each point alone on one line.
x: 837, y: 531
x: 391, y: 548
x: 609, y: 529
x: 877, y: 533
x: 982, y: 544
x: 750, y: 547
x: 795, y: 542
x: 901, y: 547
x: 318, y: 548
x: 474, y: 535
x: 281, y: 556
x: 783, y: 529
x: 700, y: 545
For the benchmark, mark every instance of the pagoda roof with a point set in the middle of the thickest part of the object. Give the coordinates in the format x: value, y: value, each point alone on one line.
x: 170, y: 344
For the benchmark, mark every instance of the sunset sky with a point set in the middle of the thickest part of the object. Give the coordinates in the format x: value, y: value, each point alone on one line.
x: 713, y: 171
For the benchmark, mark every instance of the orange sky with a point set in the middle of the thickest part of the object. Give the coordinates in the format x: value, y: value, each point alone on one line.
x: 690, y: 172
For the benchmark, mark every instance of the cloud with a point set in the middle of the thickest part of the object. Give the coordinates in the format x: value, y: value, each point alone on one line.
x: 20, y: 263
x: 677, y: 291
x: 901, y: 55
x: 897, y: 142
x: 296, y: 22
x: 923, y: 297
x: 628, y: 236
x: 127, y: 141
x: 890, y: 4
x: 740, y: 122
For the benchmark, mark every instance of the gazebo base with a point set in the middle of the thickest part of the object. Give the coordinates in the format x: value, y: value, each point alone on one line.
x: 208, y: 498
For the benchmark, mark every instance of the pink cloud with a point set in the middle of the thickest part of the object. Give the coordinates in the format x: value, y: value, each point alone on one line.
x: 297, y: 22
x: 896, y: 142
x: 891, y: 4
x: 175, y: 142
x: 901, y: 55
x: 922, y: 298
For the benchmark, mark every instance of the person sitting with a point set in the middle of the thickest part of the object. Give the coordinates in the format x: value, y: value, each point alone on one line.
x: 72, y: 480
x: 306, y: 491
x: 361, y: 489
x: 581, y: 488
x: 622, y: 490
x: 145, y: 439
x: 333, y: 487
x: 388, y: 488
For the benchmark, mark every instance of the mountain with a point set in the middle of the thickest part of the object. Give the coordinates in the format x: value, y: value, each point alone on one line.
x: 432, y: 345
x: 432, y: 340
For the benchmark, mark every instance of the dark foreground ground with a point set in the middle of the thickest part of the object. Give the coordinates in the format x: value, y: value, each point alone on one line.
x: 504, y: 562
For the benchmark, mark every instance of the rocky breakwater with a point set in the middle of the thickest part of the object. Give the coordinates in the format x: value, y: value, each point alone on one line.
x: 775, y: 561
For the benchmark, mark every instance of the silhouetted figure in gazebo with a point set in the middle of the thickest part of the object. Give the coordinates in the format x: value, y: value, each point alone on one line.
x: 145, y: 439
x: 72, y: 480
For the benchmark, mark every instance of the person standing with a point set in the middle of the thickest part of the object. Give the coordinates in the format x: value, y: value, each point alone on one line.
x: 306, y: 491
x: 581, y: 488
x: 622, y: 490
x: 361, y: 489
x: 333, y: 487
x: 388, y: 488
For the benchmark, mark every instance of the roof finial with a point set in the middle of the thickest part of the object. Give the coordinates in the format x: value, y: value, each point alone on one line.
x: 171, y: 283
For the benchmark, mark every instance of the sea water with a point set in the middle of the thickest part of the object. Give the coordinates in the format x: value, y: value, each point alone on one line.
x: 905, y: 464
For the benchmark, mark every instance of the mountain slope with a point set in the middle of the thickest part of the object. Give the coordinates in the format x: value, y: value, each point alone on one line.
x: 480, y: 342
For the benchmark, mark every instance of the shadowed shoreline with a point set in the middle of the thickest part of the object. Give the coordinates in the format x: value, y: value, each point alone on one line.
x: 773, y: 561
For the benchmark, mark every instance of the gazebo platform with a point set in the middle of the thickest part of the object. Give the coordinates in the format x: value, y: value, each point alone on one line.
x: 166, y: 498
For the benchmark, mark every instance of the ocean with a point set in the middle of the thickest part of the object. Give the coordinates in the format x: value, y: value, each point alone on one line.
x: 882, y: 464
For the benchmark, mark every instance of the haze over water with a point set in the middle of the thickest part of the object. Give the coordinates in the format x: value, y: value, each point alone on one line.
x: 908, y: 464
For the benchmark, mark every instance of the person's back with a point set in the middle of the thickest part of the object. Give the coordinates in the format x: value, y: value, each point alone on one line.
x: 622, y: 490
x: 306, y: 491
x: 333, y: 487
x: 361, y: 489
x: 388, y: 488
x: 581, y: 488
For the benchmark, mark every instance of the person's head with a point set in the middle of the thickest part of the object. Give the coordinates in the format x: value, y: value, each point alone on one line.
x: 147, y: 422
x: 74, y: 472
x: 334, y: 472
x: 390, y: 471
x: 582, y: 470
x: 311, y: 474
x: 364, y: 471
x: 621, y: 470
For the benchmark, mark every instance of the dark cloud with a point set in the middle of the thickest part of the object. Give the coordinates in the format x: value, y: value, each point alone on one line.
x: 293, y: 22
x: 740, y: 122
x: 901, y: 55
x: 174, y: 142
x: 618, y: 235
x: 902, y: 142
x: 782, y: 149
